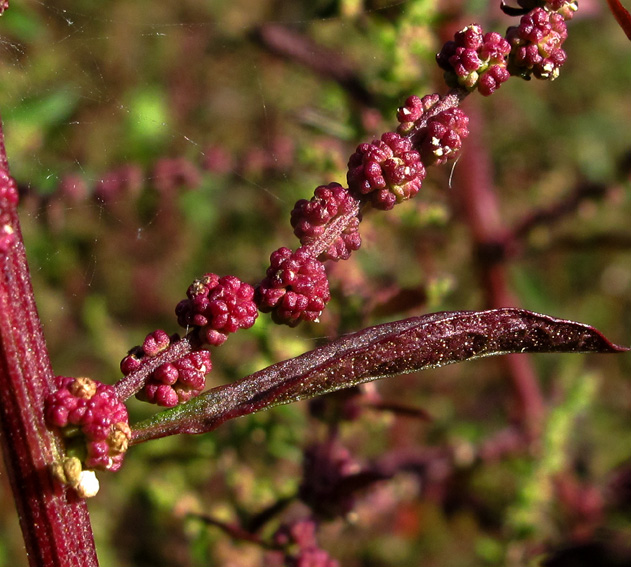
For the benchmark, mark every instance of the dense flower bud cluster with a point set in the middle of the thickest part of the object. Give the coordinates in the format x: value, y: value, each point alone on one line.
x: 441, y: 139
x: 93, y: 420
x: 154, y: 344
x: 536, y: 44
x: 295, y: 287
x: 475, y: 60
x: 413, y: 110
x: 177, y: 382
x: 217, y: 306
x: 388, y: 170
x: 310, y: 219
x: 171, y: 383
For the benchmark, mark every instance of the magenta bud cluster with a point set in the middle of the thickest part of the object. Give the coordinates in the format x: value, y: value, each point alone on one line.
x: 295, y: 288
x: 177, y: 382
x: 536, y: 45
x: 170, y: 383
x: 388, y: 171
x: 412, y: 112
x: 475, y: 60
x: 217, y: 306
x: 311, y: 219
x: 443, y: 135
x: 439, y: 139
x: 154, y: 343
x: 92, y: 419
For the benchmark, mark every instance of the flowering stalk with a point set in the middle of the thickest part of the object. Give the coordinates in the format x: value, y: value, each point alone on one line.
x: 71, y: 423
x: 382, y: 174
x: 54, y: 520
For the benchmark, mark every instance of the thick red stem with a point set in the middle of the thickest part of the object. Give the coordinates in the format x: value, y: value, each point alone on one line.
x: 54, y: 521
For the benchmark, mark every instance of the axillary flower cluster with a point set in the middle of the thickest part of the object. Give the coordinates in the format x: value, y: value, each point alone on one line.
x: 92, y: 417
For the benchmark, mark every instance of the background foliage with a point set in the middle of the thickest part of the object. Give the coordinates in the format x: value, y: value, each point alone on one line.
x: 86, y: 88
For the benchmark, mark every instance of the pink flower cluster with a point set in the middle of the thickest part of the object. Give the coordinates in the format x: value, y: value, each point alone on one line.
x: 170, y: 383
x: 295, y: 287
x: 439, y: 139
x: 475, y: 60
x: 388, y: 171
x: 177, y: 382
x: 92, y: 419
x: 311, y: 219
x: 217, y: 306
x: 536, y: 44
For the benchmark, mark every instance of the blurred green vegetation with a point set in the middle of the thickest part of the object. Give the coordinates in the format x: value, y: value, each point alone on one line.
x: 88, y: 87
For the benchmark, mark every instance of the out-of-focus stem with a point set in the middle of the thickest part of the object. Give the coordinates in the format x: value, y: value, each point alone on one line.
x: 54, y: 521
x: 480, y: 207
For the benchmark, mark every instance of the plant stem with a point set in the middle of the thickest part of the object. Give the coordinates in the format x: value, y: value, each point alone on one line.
x: 54, y: 521
x: 482, y: 212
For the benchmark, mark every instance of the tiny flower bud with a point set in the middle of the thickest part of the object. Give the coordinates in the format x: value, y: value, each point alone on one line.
x: 88, y: 485
x: 71, y: 473
x: 156, y: 342
x: 83, y: 388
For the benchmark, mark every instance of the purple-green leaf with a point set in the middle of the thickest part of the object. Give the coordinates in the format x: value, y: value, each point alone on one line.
x: 390, y: 349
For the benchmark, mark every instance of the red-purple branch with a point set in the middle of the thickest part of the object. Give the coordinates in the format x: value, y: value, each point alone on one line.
x: 54, y: 521
x: 482, y: 212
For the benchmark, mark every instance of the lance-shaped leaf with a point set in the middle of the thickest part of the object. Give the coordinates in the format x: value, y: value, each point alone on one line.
x: 385, y: 350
